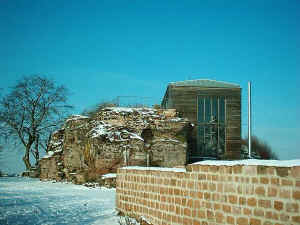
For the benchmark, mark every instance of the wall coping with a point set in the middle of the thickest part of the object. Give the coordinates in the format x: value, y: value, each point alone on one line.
x: 178, y: 170
x: 250, y: 162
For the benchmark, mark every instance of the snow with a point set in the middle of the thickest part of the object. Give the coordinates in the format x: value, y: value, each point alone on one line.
x: 100, y: 129
x: 119, y: 109
x: 130, y: 110
x: 109, y: 175
x: 77, y: 117
x: 176, y: 170
x: 252, y: 162
x: 49, y: 154
x: 177, y: 119
x: 106, y: 130
x: 30, y: 201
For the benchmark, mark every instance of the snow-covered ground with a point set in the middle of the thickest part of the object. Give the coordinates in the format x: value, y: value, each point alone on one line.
x: 30, y: 201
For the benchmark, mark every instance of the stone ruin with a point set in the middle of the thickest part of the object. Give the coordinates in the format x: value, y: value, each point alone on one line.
x: 85, y: 149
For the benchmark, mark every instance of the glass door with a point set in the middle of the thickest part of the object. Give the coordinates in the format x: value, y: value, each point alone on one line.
x: 211, y: 127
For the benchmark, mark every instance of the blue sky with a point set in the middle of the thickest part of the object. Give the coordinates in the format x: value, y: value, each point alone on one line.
x: 103, y: 49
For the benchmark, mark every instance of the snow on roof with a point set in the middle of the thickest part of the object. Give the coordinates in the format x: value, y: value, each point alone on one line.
x: 205, y: 83
x: 130, y: 110
x: 109, y: 175
x: 177, y: 170
x: 251, y: 162
x: 77, y: 117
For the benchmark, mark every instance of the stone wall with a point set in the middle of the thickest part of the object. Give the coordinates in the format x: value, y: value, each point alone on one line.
x: 86, y: 148
x: 208, y: 194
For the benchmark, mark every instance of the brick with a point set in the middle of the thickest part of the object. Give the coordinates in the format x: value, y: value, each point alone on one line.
x: 258, y: 212
x: 292, y: 207
x: 285, y: 194
x: 212, y: 187
x: 191, y: 184
x: 271, y: 170
x: 232, y: 199
x: 272, y: 192
x: 247, y: 211
x: 195, y: 168
x: 208, y: 205
x: 242, y: 221
x: 237, y: 169
x: 264, y: 203
x: 208, y: 177
x: 201, y: 176
x: 262, y: 170
x: 229, y: 187
x: 275, y: 216
x: 204, y: 168
x: 284, y: 217
x: 260, y: 190
x: 295, y: 171
x: 278, y: 205
x: 217, y: 206
x: 286, y: 182
x: 296, y: 219
x: 206, y: 195
x: 240, y: 189
x: 187, y: 221
x: 297, y: 183
x: 196, y: 222
x: 228, y: 169
x: 236, y: 210
x: 213, y: 169
x: 187, y: 212
x: 200, y: 195
x: 242, y: 200
x: 226, y: 208
x: 215, y: 177
x: 220, y: 187
x: 296, y: 195
x: 190, y: 203
x: 215, y: 197
x: 250, y: 170
x: 219, y: 217
x: 282, y: 171
x: 251, y: 202
x: 230, y: 220
x: 275, y: 181
x: 254, y: 180
x: 267, y: 223
x: 264, y: 180
x: 201, y: 214
x: 269, y: 215
x: 210, y: 215
x: 194, y: 213
x: 255, y: 221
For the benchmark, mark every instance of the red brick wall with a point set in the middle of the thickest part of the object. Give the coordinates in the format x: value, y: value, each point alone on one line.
x: 256, y: 195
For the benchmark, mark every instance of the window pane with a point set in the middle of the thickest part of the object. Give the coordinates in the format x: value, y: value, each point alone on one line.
x: 200, y: 109
x: 222, y: 110
x: 207, y: 109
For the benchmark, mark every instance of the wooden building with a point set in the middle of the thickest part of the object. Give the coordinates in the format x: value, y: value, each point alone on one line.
x: 214, y: 108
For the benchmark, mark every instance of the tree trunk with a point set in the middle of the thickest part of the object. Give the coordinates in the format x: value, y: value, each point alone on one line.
x: 26, y: 159
x: 36, y: 153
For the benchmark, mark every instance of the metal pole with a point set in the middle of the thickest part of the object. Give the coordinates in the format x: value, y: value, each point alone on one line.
x: 249, y: 118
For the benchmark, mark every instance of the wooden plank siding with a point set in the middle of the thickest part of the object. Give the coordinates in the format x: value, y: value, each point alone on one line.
x: 184, y: 100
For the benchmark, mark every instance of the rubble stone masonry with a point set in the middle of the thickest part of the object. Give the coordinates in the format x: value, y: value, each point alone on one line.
x: 206, y: 194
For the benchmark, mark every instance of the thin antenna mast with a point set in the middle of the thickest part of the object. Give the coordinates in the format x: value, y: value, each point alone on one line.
x: 249, y: 118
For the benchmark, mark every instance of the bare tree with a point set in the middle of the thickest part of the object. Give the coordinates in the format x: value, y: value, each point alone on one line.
x: 260, y: 148
x: 31, y: 111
